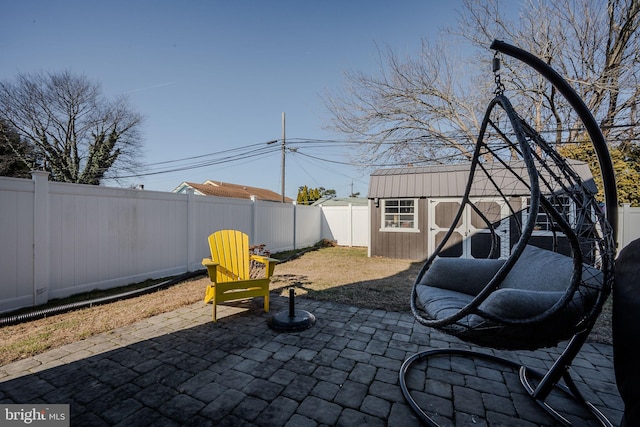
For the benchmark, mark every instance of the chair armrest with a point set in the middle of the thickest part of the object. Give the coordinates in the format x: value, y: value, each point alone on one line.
x: 264, y: 259
x: 270, y: 263
x: 208, y: 262
x: 212, y: 268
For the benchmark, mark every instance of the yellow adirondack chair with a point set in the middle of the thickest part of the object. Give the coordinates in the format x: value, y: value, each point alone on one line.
x: 229, y: 267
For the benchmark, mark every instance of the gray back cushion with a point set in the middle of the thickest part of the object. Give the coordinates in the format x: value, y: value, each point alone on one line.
x: 542, y: 270
x: 468, y: 276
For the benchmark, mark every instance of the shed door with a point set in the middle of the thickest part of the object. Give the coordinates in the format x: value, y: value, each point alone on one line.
x: 470, y: 238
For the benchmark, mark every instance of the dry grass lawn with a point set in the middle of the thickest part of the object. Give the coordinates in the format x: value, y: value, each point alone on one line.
x: 347, y: 275
x: 30, y: 338
x: 338, y: 274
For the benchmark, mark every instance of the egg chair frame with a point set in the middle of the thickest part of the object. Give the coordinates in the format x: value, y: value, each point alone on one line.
x: 501, y: 301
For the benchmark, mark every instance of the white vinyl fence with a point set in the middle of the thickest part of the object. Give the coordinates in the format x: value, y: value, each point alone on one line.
x: 628, y: 225
x: 347, y: 225
x: 60, y: 239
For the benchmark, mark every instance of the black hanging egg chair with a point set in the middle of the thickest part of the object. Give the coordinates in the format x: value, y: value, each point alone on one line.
x: 545, y: 265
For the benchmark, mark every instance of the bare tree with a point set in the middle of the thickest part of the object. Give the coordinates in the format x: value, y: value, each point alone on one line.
x: 594, y: 44
x: 77, y: 134
x: 418, y: 109
x: 426, y: 108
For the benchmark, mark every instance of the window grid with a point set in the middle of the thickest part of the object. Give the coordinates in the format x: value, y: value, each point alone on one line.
x: 399, y: 214
x: 544, y: 223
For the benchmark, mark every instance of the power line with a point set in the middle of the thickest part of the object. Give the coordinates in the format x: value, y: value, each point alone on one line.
x: 324, y: 166
x: 301, y: 146
x: 259, y: 145
x: 239, y: 157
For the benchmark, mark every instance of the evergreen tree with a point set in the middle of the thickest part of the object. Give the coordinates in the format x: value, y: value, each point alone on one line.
x: 16, y: 155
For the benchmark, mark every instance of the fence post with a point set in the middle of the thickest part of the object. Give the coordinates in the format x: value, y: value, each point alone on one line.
x: 41, y: 261
x: 253, y: 233
x: 350, y: 230
x: 370, y: 208
x: 624, y: 235
x: 295, y: 222
x: 191, y: 230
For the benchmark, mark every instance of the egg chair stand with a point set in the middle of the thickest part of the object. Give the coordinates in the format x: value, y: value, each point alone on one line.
x: 549, y: 264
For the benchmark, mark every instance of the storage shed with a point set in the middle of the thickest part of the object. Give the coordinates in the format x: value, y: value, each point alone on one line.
x: 412, y: 208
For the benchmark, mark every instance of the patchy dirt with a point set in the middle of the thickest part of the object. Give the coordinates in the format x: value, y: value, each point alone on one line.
x: 347, y: 275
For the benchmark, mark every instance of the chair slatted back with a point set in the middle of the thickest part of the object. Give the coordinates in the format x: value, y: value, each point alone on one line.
x: 230, y: 249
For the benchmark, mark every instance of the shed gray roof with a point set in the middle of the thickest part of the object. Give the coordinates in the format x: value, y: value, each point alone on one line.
x: 451, y: 181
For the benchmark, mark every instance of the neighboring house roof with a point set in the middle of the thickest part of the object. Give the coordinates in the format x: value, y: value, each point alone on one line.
x: 341, y: 201
x: 451, y: 180
x: 235, y: 191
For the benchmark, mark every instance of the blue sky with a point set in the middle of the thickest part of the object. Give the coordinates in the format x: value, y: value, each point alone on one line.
x: 212, y: 76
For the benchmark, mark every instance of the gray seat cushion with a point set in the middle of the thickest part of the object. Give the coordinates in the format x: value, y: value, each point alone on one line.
x: 441, y: 303
x: 537, y: 281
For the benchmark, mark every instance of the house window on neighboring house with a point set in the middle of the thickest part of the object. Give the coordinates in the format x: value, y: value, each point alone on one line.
x: 400, y: 215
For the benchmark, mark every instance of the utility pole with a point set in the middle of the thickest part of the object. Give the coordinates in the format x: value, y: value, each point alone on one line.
x: 283, y: 153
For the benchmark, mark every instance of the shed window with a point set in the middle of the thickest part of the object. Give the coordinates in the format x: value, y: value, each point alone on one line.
x: 544, y: 223
x: 400, y: 215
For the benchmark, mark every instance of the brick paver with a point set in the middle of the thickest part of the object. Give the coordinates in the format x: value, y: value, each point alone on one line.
x: 180, y: 368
